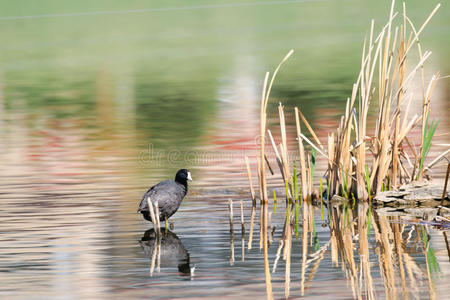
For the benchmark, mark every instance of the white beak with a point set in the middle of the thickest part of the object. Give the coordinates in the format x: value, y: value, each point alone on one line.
x: 189, y: 176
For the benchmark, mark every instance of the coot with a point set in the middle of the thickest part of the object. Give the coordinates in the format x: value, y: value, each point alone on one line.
x: 168, y: 193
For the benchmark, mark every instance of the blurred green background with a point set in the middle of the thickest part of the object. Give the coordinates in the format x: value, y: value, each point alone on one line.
x: 165, y: 71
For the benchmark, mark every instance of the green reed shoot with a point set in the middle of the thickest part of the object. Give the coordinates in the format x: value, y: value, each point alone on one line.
x: 301, y: 201
x: 313, y: 162
x: 367, y: 176
x: 328, y: 192
x: 431, y: 256
x: 295, y: 183
x: 345, y: 213
x: 344, y: 186
x: 288, y: 204
x: 328, y: 201
x: 353, y: 201
x: 315, y: 237
x: 427, y: 136
x: 297, y: 208
x: 274, y: 202
x: 321, y: 198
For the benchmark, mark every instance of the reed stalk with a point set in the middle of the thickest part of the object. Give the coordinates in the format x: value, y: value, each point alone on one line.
x: 278, y: 255
x: 243, y: 246
x: 386, y: 257
x: 444, y: 192
x: 242, y: 218
x: 446, y: 244
x: 321, y: 198
x: 284, y: 151
x: 231, y: 248
x: 288, y: 247
x: 252, y: 223
x: 154, y: 255
x: 305, y: 231
x: 230, y: 210
x: 250, y: 180
x: 274, y: 202
x: 152, y: 214
x: 266, y: 258
x: 262, y: 176
x: 288, y: 203
x: 363, y: 223
x: 158, y: 251
x: 430, y: 261
x: 399, y: 251
x: 426, y: 145
x: 312, y: 168
x: 242, y: 232
x: 296, y: 202
x: 157, y: 218
x: 301, y: 150
x: 262, y: 223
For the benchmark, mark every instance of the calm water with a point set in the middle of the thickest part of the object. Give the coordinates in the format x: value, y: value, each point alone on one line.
x: 98, y: 101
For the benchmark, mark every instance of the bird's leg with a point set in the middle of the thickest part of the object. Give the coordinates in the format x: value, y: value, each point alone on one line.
x: 167, y: 224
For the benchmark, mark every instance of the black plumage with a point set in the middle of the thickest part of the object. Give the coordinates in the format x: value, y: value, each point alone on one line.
x: 168, y: 193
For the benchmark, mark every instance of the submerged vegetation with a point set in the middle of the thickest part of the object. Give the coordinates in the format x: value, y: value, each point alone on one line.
x: 381, y: 256
x: 364, y: 156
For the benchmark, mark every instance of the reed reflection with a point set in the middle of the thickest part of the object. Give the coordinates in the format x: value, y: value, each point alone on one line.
x: 165, y: 250
x: 399, y: 248
x: 380, y: 256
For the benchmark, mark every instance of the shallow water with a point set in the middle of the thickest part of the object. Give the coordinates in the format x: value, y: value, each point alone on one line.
x: 95, y: 108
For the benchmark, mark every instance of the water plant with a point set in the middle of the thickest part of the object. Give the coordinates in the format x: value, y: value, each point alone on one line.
x: 428, y: 134
x: 321, y: 198
x: 362, y: 160
x: 274, y: 202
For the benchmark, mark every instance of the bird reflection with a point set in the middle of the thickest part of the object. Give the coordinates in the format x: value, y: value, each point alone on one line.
x: 165, y: 251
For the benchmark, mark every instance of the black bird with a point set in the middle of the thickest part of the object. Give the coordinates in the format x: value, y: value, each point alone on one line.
x: 168, y: 193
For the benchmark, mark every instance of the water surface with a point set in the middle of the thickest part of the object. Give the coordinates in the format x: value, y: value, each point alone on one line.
x: 98, y: 101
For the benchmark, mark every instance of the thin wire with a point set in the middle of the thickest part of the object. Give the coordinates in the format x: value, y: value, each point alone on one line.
x: 151, y: 10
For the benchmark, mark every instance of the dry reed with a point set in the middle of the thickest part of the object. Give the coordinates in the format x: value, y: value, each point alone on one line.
x: 444, y: 192
x: 262, y: 174
x: 250, y: 180
x: 157, y: 219
x: 154, y: 215
x: 230, y: 210
x: 361, y: 161
x: 242, y: 232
